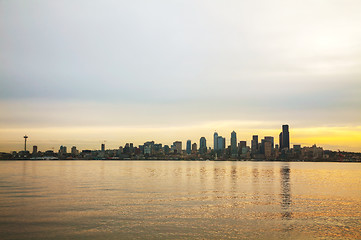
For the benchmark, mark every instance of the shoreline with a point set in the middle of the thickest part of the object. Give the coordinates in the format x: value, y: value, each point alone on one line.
x: 184, y: 160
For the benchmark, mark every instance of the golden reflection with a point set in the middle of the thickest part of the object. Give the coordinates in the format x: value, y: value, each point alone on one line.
x: 286, y: 191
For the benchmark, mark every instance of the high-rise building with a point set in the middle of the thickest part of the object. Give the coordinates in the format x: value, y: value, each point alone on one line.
x: 150, y: 147
x: 280, y: 140
x: 35, y: 149
x: 242, y: 144
x: 62, y: 150
x: 202, y: 145
x: 74, y: 152
x: 234, y: 150
x: 215, y: 141
x: 221, y: 143
x: 103, y: 147
x: 270, y: 139
x: 254, y: 144
x: 178, y: 147
x: 189, y: 147
x: 166, y: 149
x: 267, y: 147
x: 284, y: 138
x: 194, y: 148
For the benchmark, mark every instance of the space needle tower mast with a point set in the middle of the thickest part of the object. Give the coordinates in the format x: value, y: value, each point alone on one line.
x: 25, y: 137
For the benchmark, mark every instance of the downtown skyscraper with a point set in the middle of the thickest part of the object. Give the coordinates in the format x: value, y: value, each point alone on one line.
x: 284, y: 138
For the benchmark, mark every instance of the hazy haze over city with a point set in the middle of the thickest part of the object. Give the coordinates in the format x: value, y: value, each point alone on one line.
x: 84, y: 72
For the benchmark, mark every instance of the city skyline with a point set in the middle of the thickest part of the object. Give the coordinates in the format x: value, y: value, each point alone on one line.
x: 265, y: 148
x: 216, y: 142
x: 84, y: 72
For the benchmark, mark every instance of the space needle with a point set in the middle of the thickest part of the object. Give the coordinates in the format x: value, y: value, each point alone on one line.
x: 25, y: 137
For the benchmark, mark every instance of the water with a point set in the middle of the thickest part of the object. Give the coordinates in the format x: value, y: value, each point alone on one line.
x: 179, y: 200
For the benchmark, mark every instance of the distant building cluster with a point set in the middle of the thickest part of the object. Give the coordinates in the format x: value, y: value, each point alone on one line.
x: 264, y: 149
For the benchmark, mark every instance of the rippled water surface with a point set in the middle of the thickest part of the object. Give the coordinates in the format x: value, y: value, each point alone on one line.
x: 179, y: 200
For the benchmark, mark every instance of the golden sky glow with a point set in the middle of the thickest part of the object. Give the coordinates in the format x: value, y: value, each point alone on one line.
x: 332, y: 138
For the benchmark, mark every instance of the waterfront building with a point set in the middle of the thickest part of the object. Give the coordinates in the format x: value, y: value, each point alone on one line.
x: 147, y: 150
x: 270, y: 139
x: 149, y: 145
x: 166, y: 149
x: 194, y: 148
x: 131, y: 148
x: 221, y: 144
x: 202, y: 145
x: 254, y: 144
x: 189, y: 147
x: 242, y: 147
x: 157, y: 148
x: 234, y: 150
x: 62, y: 150
x: 284, y: 138
x: 267, y: 149
x: 35, y: 150
x: 177, y: 147
x: 215, y: 141
x: 74, y: 152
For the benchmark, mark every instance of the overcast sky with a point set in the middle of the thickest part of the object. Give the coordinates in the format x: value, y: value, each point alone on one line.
x: 79, y: 72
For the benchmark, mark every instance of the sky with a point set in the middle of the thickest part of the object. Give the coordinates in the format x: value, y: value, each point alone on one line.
x: 84, y: 72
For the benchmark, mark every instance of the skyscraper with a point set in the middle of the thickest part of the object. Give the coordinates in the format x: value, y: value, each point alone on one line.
x: 270, y: 139
x: 189, y: 147
x: 103, y: 147
x: 194, y: 148
x: 202, y: 145
x: 234, y: 150
x: 254, y: 144
x: 74, y: 152
x: 221, y: 144
x: 285, y: 137
x: 215, y: 141
x: 178, y: 147
x: 280, y: 140
x: 35, y: 149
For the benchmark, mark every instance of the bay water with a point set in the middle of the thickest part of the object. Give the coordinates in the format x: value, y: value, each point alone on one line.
x: 179, y: 200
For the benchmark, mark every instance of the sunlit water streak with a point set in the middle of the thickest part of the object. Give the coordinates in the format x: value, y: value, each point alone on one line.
x: 179, y: 200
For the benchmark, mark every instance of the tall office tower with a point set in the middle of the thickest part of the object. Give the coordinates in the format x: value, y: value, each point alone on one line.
x: 215, y: 141
x: 221, y: 143
x: 166, y: 149
x: 194, y: 148
x: 74, y: 151
x: 242, y: 144
x: 284, y: 138
x: 62, y: 150
x: 270, y: 139
x: 242, y: 147
x: 189, y: 147
x: 131, y: 147
x: 267, y: 148
x: 35, y: 149
x: 280, y: 140
x: 103, y: 147
x: 234, y: 150
x: 149, y: 145
x: 178, y: 147
x: 202, y: 145
x: 254, y: 144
